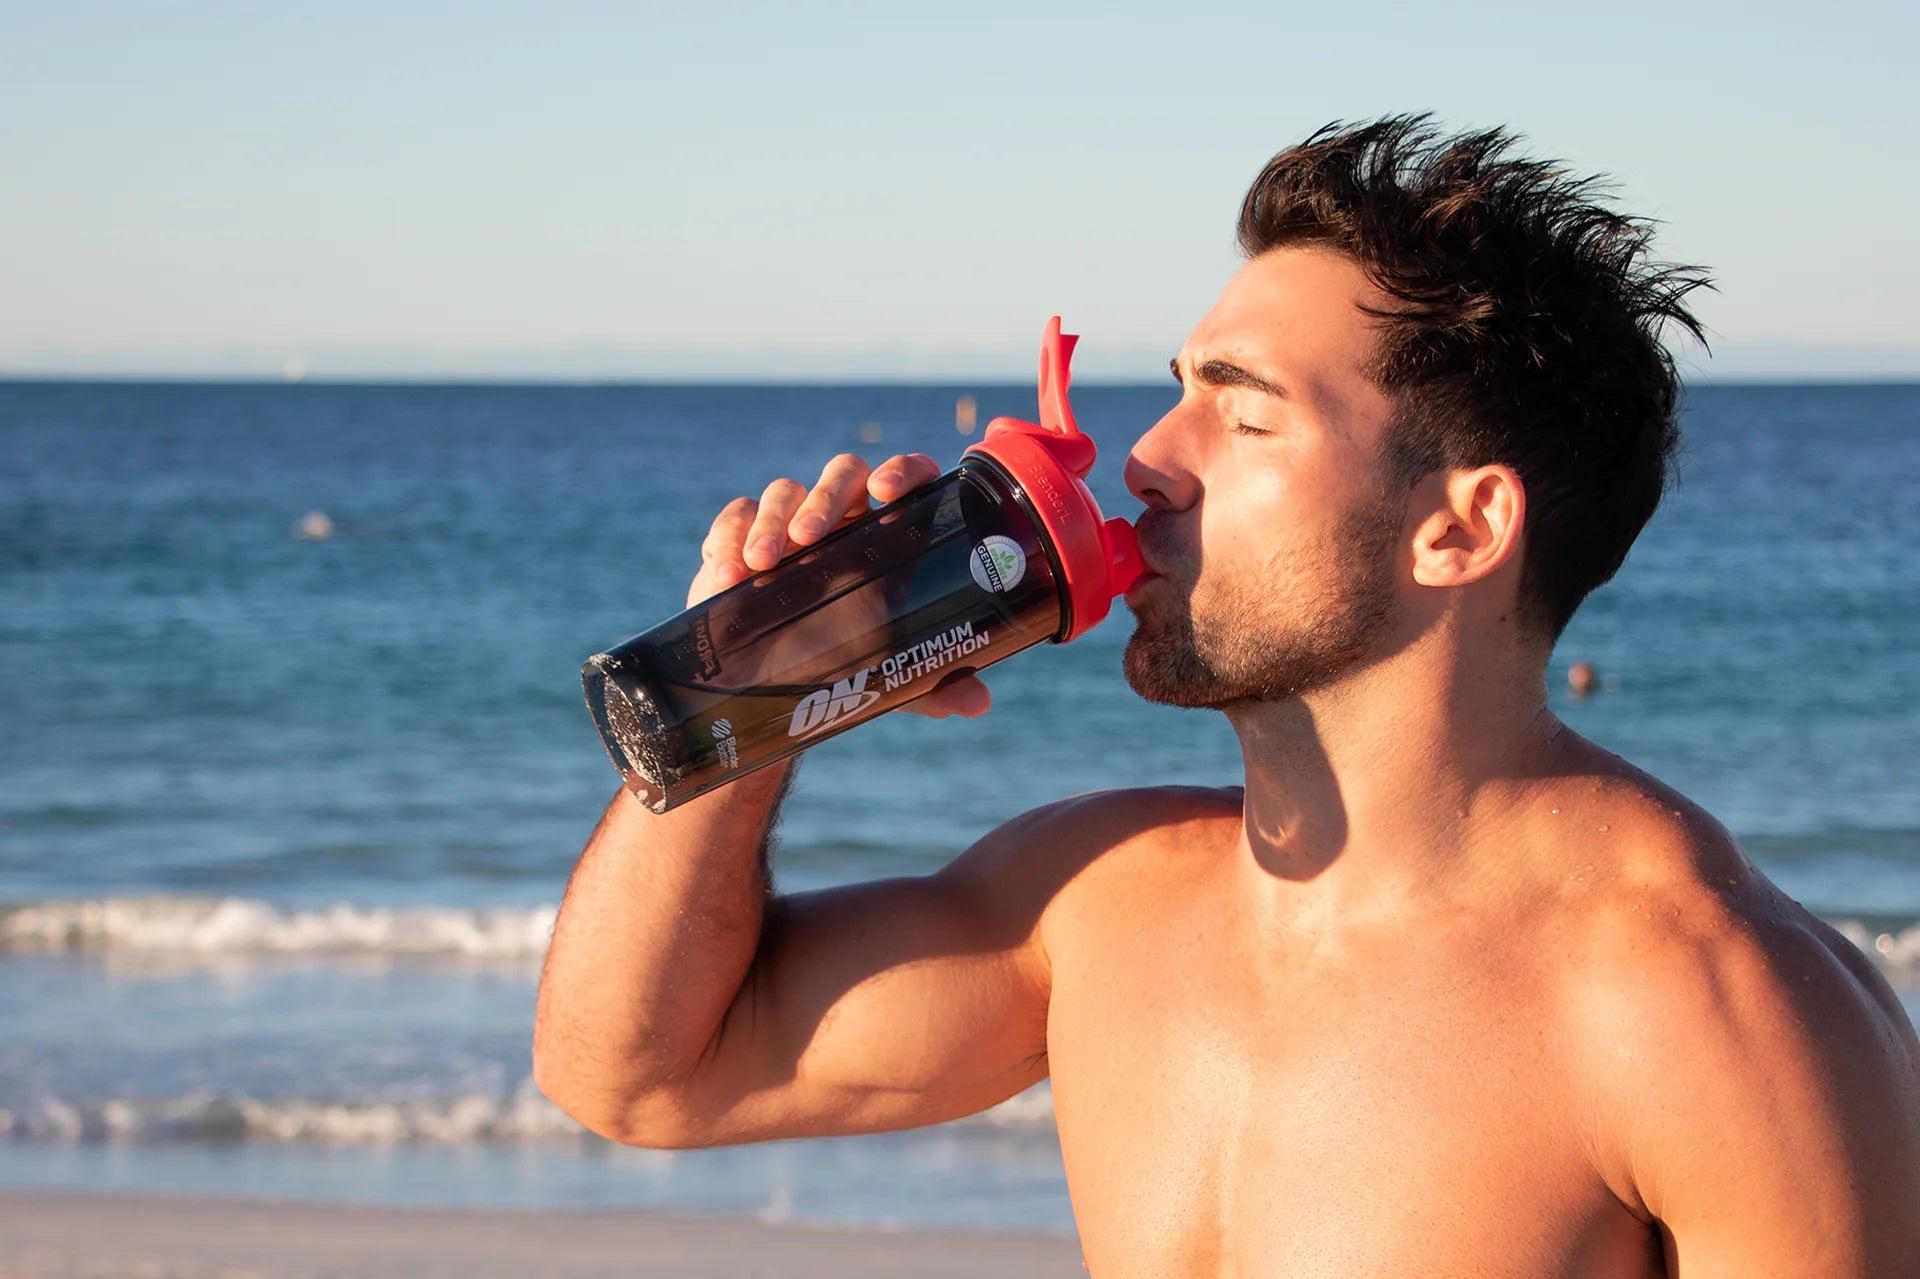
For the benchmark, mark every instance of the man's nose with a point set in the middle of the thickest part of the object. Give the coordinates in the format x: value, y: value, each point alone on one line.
x: 1156, y: 473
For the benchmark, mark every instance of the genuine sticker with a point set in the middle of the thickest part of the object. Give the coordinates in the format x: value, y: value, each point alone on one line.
x: 998, y: 564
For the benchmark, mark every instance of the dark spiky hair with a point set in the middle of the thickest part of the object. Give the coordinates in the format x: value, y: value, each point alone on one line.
x: 1525, y: 325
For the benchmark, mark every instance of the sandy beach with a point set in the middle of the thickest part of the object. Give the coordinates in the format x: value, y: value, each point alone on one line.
x: 67, y: 1236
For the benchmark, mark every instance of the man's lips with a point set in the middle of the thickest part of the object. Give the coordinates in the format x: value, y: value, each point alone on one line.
x: 1162, y: 555
x: 1151, y: 536
x: 1151, y: 564
x: 1140, y: 583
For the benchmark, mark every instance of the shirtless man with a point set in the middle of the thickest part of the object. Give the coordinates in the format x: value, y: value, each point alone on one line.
x: 1444, y: 990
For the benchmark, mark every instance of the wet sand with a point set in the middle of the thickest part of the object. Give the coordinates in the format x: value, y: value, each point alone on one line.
x: 66, y: 1236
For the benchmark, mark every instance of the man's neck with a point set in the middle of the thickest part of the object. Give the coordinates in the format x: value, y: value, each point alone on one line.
x: 1366, y: 795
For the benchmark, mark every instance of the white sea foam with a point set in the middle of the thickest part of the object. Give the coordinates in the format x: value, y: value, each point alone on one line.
x: 520, y: 1117
x: 1898, y: 953
x: 212, y: 926
x: 1030, y: 1109
x: 237, y: 926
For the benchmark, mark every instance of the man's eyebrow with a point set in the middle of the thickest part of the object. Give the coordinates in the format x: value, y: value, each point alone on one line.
x: 1227, y: 373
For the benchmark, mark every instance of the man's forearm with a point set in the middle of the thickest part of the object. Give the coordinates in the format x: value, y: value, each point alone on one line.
x: 656, y: 935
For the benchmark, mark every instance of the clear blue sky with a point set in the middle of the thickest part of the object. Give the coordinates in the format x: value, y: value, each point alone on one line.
x: 821, y: 190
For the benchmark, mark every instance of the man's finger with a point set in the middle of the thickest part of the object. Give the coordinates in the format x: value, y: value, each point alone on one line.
x: 898, y: 476
x: 842, y: 491
x: 716, y: 576
x: 767, y: 538
x: 729, y: 532
x: 966, y: 695
x: 720, y: 554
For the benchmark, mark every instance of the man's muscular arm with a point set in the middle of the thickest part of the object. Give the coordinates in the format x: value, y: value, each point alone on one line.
x: 654, y: 939
x: 680, y: 1006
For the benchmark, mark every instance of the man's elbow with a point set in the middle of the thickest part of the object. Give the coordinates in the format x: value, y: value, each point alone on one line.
x: 654, y: 1118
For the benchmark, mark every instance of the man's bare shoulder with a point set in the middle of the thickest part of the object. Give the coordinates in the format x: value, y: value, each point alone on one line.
x: 1729, y: 1041
x: 1076, y: 851
x: 1666, y: 910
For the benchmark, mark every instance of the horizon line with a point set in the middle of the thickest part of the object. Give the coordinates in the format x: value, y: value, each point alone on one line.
x: 775, y: 381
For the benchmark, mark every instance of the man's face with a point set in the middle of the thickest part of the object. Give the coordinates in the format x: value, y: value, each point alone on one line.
x: 1274, y: 547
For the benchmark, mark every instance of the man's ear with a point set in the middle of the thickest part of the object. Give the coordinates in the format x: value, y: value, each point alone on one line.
x: 1472, y: 527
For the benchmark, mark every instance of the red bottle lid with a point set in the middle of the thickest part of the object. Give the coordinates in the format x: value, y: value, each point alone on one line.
x: 1099, y: 558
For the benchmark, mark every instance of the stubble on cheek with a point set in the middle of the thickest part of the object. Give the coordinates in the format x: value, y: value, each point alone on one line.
x: 1189, y: 637
x: 1276, y: 628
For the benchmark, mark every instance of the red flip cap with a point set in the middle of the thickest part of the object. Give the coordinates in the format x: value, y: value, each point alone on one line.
x: 1099, y: 558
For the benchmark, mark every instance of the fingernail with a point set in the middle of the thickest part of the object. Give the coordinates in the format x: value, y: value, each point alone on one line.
x: 764, y: 549
x: 810, y: 526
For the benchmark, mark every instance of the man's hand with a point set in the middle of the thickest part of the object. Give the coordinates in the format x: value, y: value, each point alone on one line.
x: 750, y: 537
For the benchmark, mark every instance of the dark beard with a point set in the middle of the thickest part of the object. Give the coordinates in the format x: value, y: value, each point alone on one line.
x: 1243, y: 656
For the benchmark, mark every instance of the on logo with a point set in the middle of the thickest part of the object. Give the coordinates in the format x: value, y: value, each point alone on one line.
x: 823, y: 706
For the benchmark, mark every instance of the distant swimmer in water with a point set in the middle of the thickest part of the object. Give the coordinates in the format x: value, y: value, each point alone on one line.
x: 316, y: 526
x: 1583, y: 679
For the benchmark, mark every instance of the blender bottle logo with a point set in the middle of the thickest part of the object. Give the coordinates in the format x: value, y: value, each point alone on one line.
x: 823, y: 706
x: 726, y: 746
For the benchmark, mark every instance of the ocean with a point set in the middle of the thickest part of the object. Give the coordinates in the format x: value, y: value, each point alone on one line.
x: 284, y: 819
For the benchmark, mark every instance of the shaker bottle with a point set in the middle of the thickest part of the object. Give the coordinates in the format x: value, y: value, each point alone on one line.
x: 1002, y: 552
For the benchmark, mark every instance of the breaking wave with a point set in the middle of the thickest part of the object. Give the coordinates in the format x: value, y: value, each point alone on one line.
x: 211, y: 1116
x: 1898, y: 953
x: 519, y: 1117
x: 210, y: 926
x: 217, y: 926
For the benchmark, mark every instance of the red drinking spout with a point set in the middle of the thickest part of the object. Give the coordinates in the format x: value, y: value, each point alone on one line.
x: 1099, y: 558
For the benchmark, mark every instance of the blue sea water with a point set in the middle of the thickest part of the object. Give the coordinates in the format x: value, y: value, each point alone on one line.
x: 283, y: 820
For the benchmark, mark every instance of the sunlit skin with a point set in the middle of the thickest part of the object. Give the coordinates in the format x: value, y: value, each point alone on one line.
x: 1443, y: 990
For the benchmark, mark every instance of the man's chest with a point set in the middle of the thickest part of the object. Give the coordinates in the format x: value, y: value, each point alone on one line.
x: 1220, y: 1116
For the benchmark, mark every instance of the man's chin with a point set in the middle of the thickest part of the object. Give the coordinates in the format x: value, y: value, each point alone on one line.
x: 1163, y: 670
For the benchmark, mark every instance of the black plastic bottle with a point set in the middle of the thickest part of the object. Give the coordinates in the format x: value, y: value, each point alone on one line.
x: 1004, y: 551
